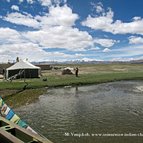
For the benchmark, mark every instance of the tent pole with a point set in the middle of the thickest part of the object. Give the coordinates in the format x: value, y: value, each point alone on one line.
x: 24, y: 75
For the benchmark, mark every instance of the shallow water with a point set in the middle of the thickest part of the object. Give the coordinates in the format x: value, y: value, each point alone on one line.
x: 110, y: 112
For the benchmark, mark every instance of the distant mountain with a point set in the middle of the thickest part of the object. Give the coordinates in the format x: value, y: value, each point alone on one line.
x: 82, y: 62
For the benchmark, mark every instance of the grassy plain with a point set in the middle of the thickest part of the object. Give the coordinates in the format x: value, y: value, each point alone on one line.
x: 88, y: 74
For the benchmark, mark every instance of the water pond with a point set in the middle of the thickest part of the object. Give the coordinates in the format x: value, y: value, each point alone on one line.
x: 104, y: 113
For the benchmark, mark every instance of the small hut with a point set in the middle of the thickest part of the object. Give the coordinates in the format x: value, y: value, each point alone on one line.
x: 23, y: 69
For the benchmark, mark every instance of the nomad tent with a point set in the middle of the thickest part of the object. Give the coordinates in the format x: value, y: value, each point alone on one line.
x: 67, y: 70
x: 22, y: 69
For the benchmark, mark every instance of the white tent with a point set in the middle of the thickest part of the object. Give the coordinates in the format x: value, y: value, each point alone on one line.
x: 23, y: 69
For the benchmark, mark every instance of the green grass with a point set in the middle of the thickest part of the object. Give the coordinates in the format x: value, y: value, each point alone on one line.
x: 88, y: 74
x: 24, y: 97
x: 66, y: 80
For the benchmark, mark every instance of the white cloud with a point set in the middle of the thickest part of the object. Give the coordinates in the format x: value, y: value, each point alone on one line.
x: 57, y: 16
x: 127, y: 52
x: 31, y: 51
x: 123, y: 59
x: 99, y: 23
x: 106, y: 23
x: 61, y: 37
x: 131, y: 50
x: 62, y: 16
x: 20, y: 19
x: 54, y: 29
x: 13, y: 44
x: 51, y: 2
x: 45, y: 2
x: 26, y: 45
x: 10, y: 51
x: 15, y: 7
x: 106, y: 50
x: 105, y: 42
x: 98, y: 7
x: 79, y: 55
x: 30, y: 1
x: 135, y: 40
x: 9, y: 36
x: 136, y: 18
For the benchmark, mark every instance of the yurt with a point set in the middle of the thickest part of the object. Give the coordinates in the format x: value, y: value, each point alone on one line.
x: 23, y: 69
x: 67, y: 70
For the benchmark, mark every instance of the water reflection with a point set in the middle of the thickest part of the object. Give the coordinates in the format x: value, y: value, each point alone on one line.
x: 76, y: 91
x: 105, y: 108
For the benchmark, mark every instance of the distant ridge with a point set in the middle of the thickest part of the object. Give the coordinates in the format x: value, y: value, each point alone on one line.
x: 80, y: 62
x: 87, y: 62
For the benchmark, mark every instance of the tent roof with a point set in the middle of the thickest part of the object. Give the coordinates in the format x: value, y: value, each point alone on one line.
x: 22, y: 64
x: 69, y: 68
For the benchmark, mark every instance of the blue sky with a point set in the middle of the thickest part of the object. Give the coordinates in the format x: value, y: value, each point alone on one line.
x: 61, y: 30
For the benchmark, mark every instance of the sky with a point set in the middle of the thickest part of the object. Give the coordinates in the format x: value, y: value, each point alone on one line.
x: 68, y: 30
